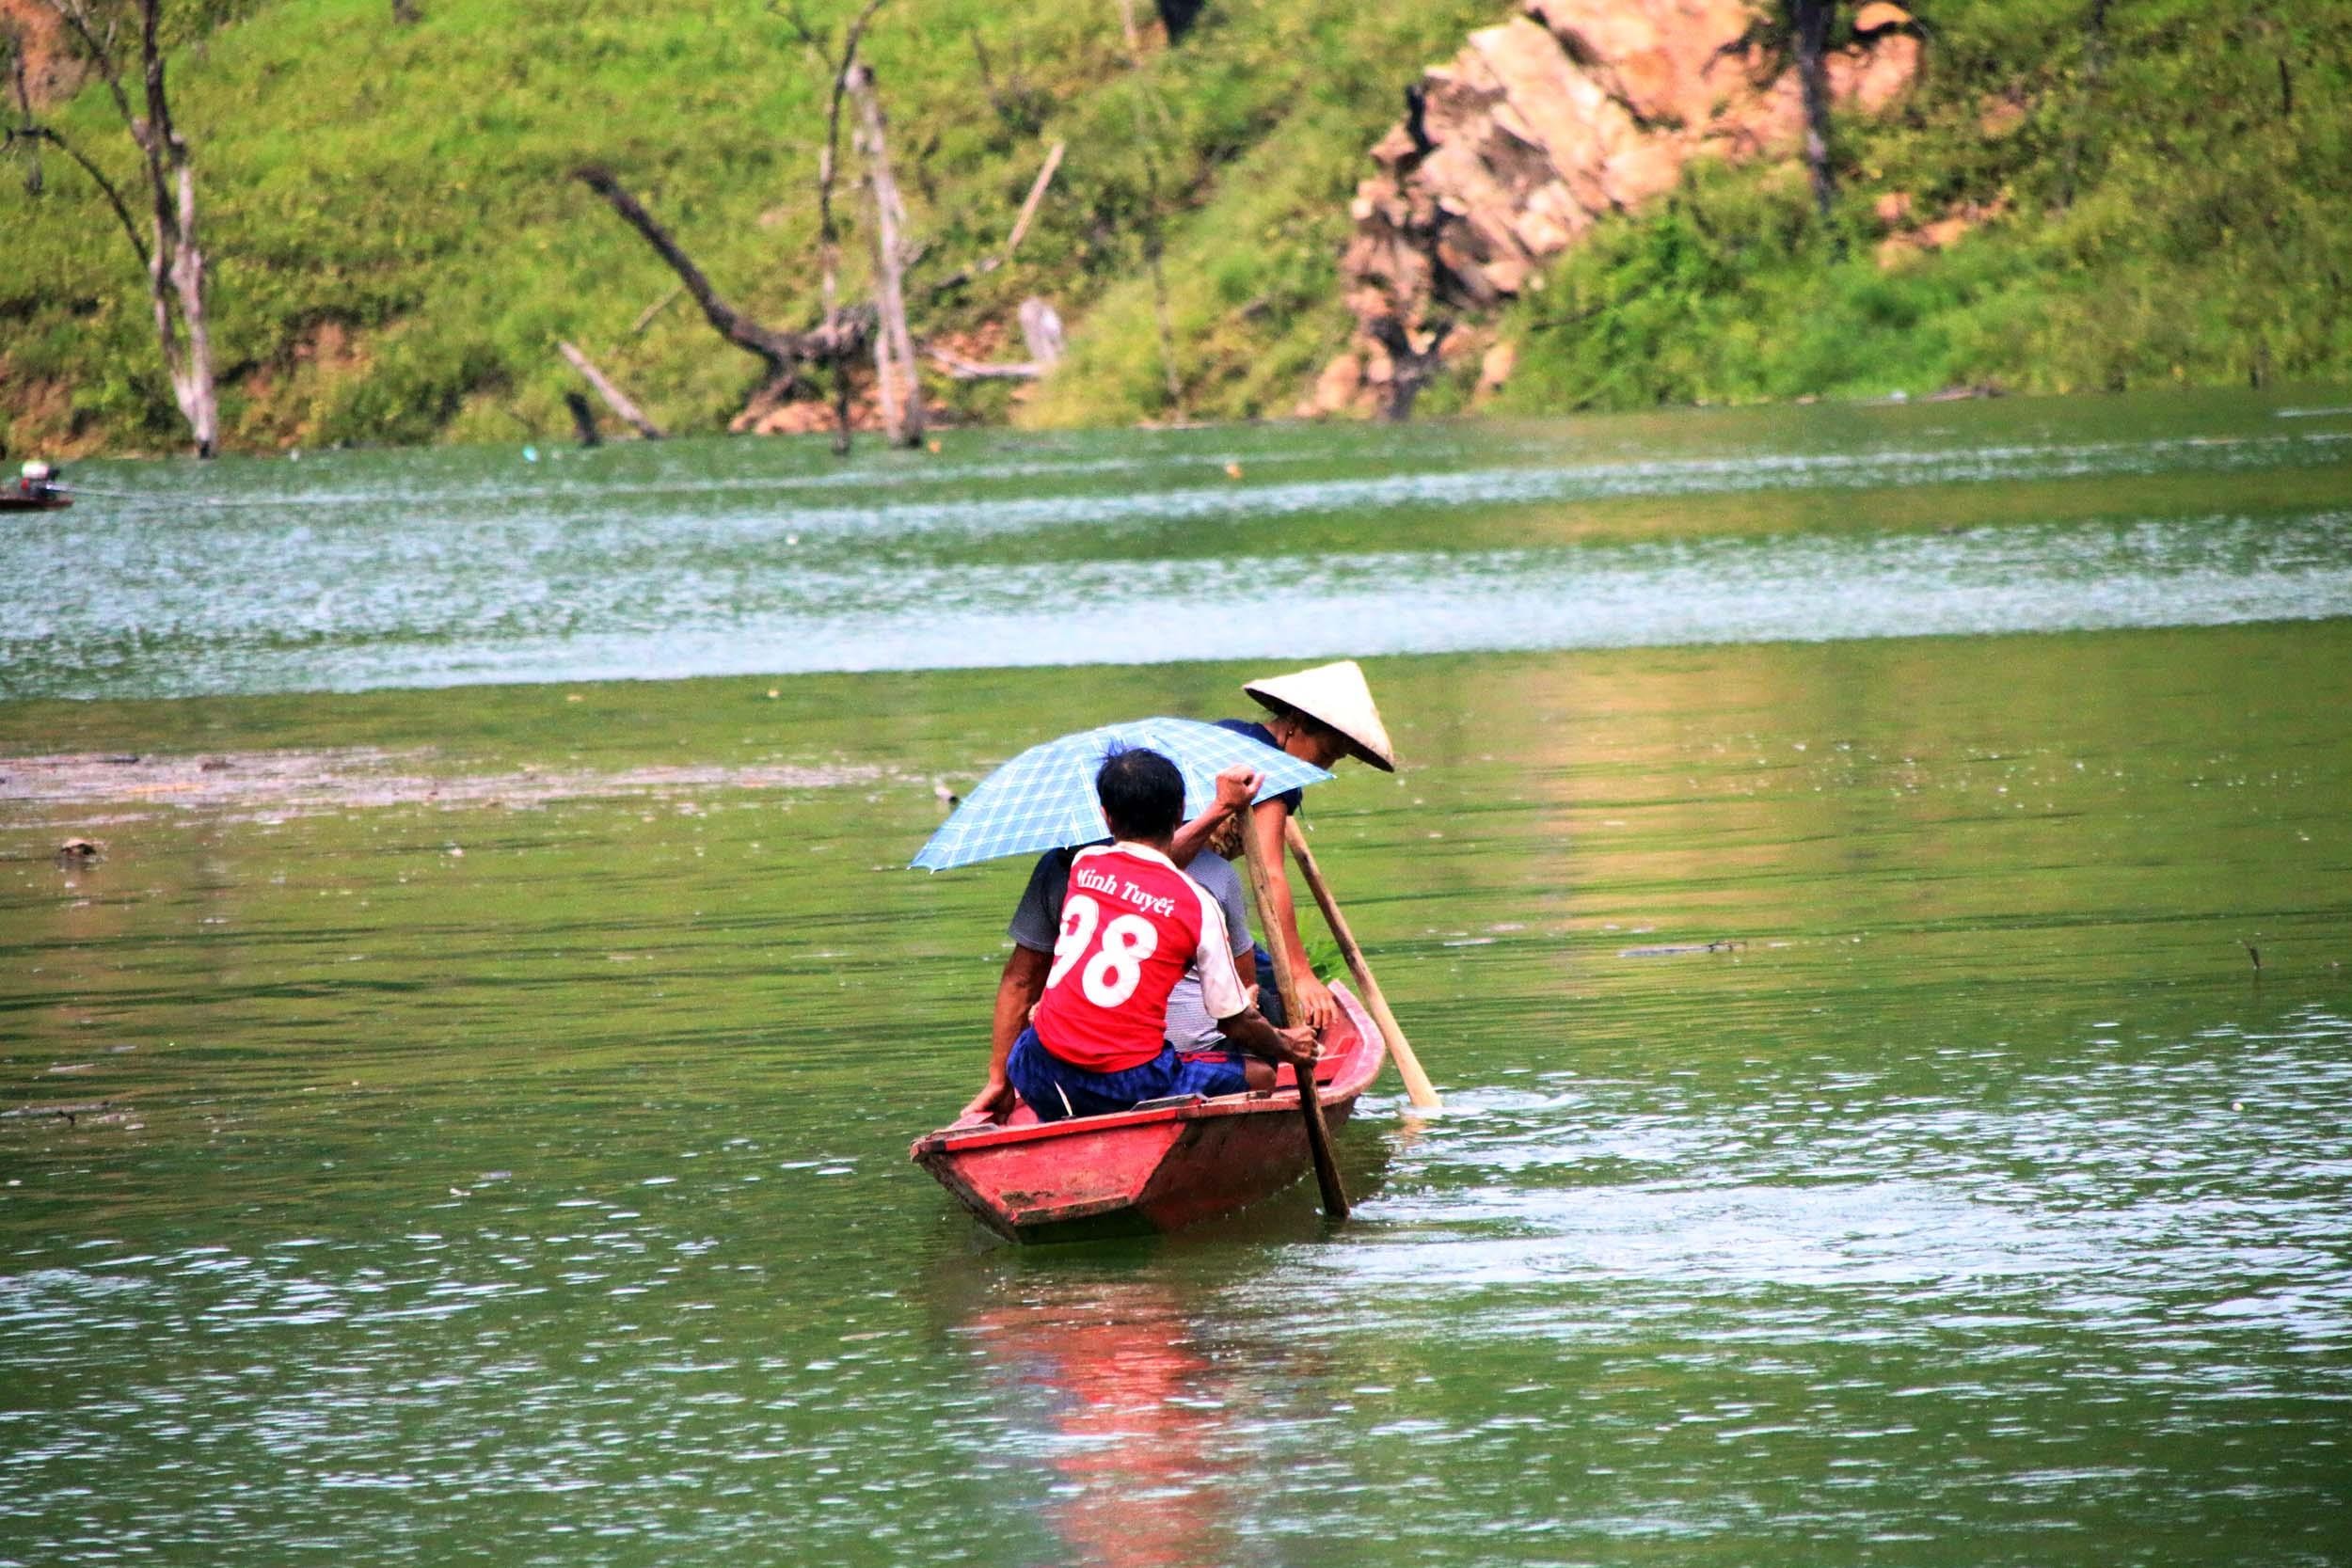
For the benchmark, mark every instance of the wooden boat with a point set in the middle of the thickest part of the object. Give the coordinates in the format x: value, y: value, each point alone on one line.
x: 34, y: 500
x: 1161, y: 1165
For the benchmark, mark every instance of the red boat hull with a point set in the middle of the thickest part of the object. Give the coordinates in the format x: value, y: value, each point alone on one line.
x: 1151, y: 1169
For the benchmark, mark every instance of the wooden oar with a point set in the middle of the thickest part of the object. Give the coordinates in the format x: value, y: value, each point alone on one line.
x: 1417, y: 1085
x: 1310, y: 1098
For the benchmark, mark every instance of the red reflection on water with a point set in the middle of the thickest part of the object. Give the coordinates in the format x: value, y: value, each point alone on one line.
x: 1135, y: 1444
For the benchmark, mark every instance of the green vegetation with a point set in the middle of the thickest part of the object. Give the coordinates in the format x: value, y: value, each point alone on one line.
x: 397, y: 245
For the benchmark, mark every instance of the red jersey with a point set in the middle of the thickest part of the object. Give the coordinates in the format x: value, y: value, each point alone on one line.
x: 1132, y: 924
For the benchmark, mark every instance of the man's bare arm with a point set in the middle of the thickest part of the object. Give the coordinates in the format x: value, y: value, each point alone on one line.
x: 1017, y: 991
x: 1235, y: 789
x: 1249, y: 1030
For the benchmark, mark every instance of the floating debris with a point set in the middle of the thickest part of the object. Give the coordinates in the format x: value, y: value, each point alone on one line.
x: 293, y: 782
x: 70, y: 1115
x: 1672, y: 948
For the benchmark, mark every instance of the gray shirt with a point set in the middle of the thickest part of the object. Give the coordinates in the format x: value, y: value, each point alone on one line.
x: 1037, y: 922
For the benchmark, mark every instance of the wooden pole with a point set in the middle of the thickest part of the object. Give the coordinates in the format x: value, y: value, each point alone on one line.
x: 1417, y: 1084
x: 1309, y: 1095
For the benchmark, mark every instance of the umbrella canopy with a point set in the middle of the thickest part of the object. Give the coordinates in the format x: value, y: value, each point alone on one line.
x: 1044, y: 798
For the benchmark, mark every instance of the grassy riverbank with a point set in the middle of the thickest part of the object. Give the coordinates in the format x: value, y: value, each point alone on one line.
x: 398, y: 245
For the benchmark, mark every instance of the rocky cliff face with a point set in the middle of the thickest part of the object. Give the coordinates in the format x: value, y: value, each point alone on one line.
x: 1540, y: 128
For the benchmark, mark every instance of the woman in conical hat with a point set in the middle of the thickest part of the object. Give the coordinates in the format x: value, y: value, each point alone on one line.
x: 1320, y: 715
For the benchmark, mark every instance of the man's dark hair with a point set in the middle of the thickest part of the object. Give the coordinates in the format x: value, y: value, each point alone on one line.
x: 1142, y: 794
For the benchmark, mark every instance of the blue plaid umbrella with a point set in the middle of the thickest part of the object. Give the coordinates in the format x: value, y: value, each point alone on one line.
x: 1044, y: 798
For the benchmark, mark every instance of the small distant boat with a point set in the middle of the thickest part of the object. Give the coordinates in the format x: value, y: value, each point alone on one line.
x: 1158, y: 1166
x: 35, y: 490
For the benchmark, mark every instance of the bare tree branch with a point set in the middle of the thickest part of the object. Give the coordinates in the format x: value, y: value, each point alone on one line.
x: 76, y: 17
x: 987, y: 264
x: 960, y: 368
x: 615, y: 398
x: 784, y: 353
x: 644, y: 317
x: 837, y: 339
x: 97, y: 177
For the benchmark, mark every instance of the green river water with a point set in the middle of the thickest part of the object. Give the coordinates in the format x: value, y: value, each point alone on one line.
x: 492, y: 1076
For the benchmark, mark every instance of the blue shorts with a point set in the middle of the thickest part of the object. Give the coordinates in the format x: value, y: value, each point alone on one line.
x: 1054, y: 1090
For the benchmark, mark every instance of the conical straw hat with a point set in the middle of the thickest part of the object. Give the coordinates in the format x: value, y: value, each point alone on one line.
x: 1336, y: 694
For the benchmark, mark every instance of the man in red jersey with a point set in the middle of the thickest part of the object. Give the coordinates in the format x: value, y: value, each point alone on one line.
x: 1036, y: 927
x: 1132, y: 925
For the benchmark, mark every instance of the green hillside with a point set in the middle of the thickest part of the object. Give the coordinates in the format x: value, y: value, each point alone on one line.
x: 397, y: 247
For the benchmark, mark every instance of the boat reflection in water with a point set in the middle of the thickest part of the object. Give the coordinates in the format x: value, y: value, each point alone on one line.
x: 1110, y: 1384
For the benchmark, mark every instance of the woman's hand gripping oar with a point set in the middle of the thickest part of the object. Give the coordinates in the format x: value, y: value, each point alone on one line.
x: 1310, y: 1098
x: 1417, y: 1085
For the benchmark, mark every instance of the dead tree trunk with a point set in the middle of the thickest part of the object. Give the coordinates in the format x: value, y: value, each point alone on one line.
x: 901, y: 386
x: 174, y: 260
x: 1810, y: 22
x: 1177, y: 16
x: 842, y: 333
x: 29, y: 131
x: 584, y: 419
x: 1410, y: 366
x: 1040, y: 331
